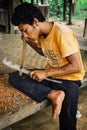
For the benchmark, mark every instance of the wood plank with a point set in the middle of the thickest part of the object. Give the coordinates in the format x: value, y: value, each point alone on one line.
x: 10, y: 118
x: 83, y: 43
x: 85, y: 29
x: 15, y: 105
x: 21, y: 110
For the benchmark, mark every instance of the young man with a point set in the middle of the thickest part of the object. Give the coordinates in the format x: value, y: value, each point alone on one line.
x: 59, y: 45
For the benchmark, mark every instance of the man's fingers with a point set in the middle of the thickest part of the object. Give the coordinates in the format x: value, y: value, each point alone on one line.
x: 31, y: 73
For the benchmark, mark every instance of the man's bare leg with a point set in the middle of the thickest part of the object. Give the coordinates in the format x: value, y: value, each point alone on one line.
x: 56, y: 98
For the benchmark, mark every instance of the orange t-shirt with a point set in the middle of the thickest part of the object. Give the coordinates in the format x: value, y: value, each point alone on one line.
x: 60, y: 43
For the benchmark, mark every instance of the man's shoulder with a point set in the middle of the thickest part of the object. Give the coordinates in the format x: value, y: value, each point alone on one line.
x: 62, y: 27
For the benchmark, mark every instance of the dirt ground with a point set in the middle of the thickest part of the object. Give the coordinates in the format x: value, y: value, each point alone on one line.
x: 42, y: 120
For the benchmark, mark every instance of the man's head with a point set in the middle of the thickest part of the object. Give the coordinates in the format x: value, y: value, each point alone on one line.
x: 27, y: 17
x: 25, y: 13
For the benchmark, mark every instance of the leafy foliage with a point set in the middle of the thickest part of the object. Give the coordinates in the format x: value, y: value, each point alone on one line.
x: 81, y: 4
x: 81, y: 9
x: 56, y: 8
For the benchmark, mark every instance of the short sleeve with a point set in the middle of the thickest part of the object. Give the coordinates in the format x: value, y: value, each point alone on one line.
x: 69, y: 44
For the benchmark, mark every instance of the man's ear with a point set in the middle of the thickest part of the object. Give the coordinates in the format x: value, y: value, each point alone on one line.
x: 36, y: 21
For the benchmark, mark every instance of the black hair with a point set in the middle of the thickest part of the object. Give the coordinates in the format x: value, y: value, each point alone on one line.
x: 25, y: 13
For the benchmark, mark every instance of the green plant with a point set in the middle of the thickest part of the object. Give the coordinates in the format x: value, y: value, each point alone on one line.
x: 81, y: 4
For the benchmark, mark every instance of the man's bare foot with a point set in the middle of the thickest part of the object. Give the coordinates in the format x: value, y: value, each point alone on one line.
x: 56, y: 98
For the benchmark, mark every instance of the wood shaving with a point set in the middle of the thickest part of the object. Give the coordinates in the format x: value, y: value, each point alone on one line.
x: 11, y: 98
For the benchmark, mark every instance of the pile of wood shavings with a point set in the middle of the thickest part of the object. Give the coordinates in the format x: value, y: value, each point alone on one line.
x: 10, y: 98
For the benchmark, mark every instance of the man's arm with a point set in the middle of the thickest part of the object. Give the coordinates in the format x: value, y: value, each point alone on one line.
x: 73, y: 66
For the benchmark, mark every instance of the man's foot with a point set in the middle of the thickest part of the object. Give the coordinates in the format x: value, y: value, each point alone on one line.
x: 56, y: 98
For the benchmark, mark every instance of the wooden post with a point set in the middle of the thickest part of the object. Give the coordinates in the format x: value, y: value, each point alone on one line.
x: 73, y: 6
x: 64, y: 10
x: 85, y: 29
x: 43, y: 2
x: 70, y: 12
x: 44, y: 9
x: 7, y: 14
x: 13, y: 4
x: 36, y: 1
x: 32, y: 1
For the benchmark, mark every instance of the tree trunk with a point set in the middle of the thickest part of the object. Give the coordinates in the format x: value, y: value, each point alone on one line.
x: 32, y: 1
x: 43, y: 1
x: 73, y: 6
x: 64, y: 9
x: 85, y: 29
x: 70, y: 12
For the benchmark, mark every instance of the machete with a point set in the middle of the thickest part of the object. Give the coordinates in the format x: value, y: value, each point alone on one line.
x: 17, y: 66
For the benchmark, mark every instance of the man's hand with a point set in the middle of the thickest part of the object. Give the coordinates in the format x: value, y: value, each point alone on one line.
x: 33, y: 44
x: 74, y: 66
x: 38, y: 75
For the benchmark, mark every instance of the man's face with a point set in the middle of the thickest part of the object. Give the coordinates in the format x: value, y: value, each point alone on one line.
x: 29, y: 32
